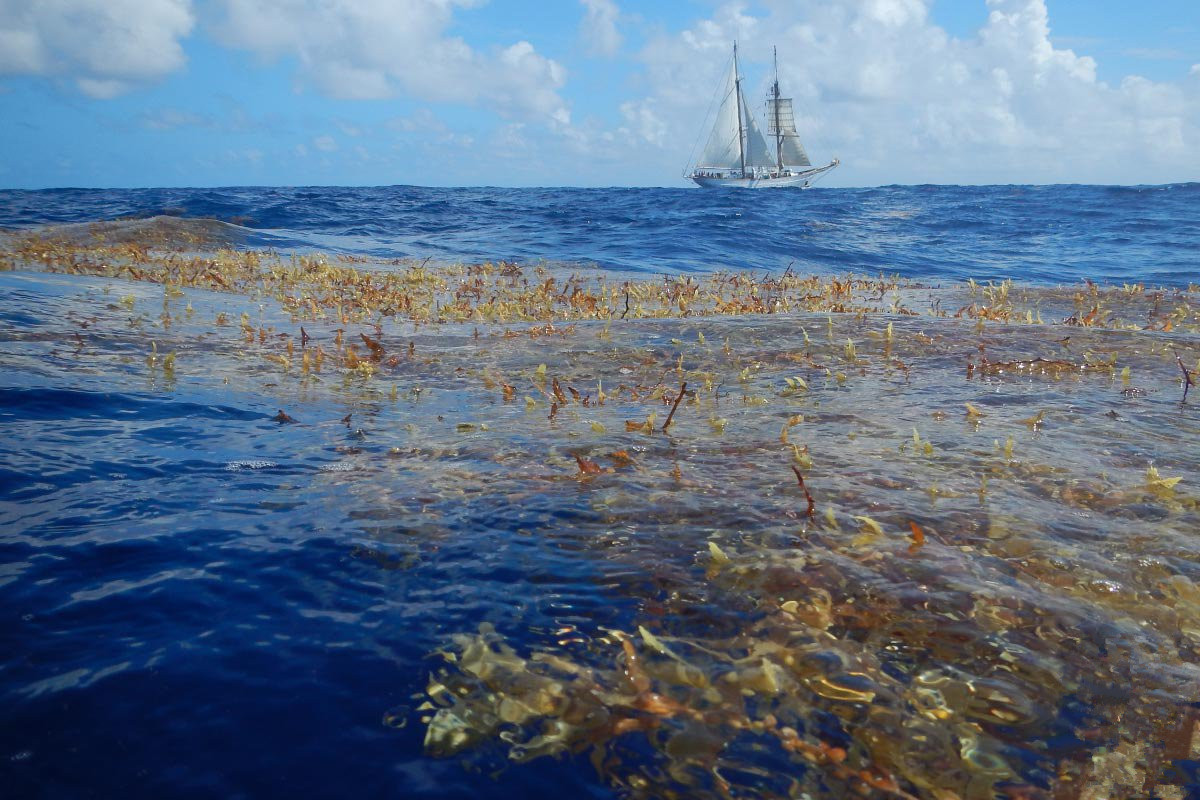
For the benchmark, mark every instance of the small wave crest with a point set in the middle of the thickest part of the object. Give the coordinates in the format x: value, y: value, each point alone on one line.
x: 51, y: 403
x: 239, y: 466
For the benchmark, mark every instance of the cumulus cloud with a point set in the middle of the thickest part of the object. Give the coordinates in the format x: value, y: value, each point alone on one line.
x: 106, y: 47
x: 598, y: 30
x: 374, y: 49
x: 899, y: 99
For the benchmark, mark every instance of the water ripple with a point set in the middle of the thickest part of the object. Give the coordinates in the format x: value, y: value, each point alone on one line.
x: 1041, y: 234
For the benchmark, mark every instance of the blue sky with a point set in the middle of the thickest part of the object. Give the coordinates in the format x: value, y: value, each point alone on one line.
x: 588, y: 92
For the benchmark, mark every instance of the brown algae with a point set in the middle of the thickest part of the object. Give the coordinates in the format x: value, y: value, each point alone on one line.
x: 876, y: 548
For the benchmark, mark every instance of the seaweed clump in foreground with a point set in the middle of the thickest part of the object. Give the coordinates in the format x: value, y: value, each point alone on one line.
x: 878, y: 540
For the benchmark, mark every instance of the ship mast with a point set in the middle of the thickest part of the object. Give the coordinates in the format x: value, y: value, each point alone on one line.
x: 778, y: 129
x: 737, y: 89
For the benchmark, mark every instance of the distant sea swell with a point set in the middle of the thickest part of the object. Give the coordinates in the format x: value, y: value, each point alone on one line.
x: 1036, y: 234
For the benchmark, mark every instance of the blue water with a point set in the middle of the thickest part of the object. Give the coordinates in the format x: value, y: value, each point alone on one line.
x: 197, y: 601
x: 200, y: 602
x: 1036, y: 234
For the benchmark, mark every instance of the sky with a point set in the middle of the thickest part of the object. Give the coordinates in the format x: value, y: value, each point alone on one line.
x: 127, y: 93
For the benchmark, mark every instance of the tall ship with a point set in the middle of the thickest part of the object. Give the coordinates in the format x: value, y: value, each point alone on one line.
x: 738, y: 155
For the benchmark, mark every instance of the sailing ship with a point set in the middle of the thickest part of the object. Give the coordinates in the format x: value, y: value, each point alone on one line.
x: 738, y: 156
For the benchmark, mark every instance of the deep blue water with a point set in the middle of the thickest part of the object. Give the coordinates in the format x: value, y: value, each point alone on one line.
x: 200, y: 602
x: 1037, y: 234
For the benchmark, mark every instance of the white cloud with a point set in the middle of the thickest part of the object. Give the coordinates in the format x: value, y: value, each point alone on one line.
x: 1155, y: 53
x: 107, y: 47
x: 250, y: 156
x: 428, y: 127
x: 509, y: 140
x: 326, y: 144
x: 900, y: 100
x: 598, y: 30
x: 232, y: 118
x: 374, y: 49
x: 166, y: 119
x: 643, y: 122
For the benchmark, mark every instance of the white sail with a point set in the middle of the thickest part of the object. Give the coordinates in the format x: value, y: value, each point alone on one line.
x: 738, y: 155
x: 722, y: 150
x: 757, y: 153
x: 793, y: 153
x: 781, y: 122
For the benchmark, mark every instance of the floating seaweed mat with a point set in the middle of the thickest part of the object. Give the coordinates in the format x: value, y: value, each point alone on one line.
x: 349, y: 287
x: 871, y: 549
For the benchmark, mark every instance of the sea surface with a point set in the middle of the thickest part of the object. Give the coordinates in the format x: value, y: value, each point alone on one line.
x: 1039, y: 234
x: 430, y: 571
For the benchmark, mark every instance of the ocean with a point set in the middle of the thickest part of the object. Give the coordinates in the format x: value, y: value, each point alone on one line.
x: 1037, y: 234
x: 639, y: 493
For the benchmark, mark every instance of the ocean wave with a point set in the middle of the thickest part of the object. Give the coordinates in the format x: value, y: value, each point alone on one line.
x: 1038, y: 234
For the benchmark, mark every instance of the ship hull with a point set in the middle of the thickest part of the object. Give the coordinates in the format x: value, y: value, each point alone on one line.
x: 751, y: 183
x: 802, y: 180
